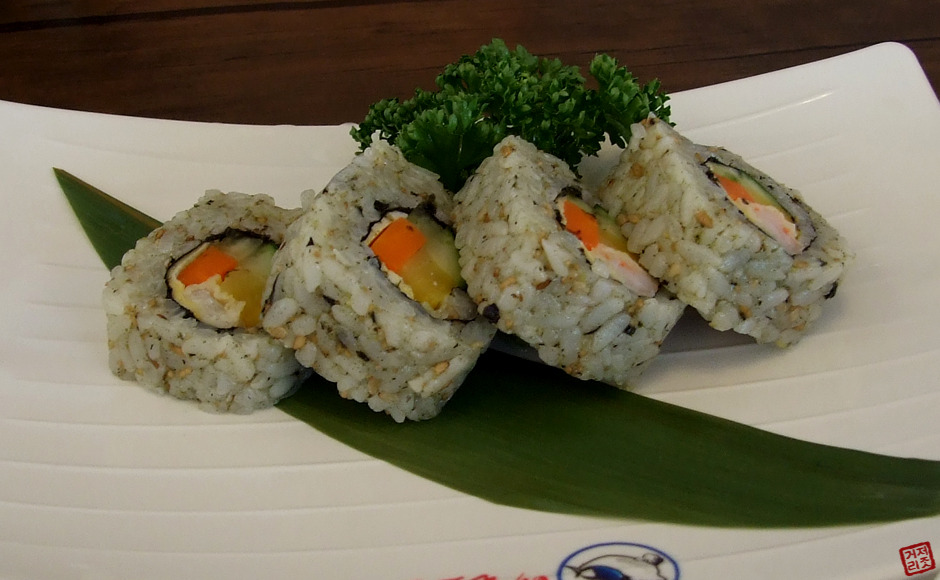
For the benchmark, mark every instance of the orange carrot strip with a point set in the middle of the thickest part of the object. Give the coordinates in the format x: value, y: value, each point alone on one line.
x: 735, y: 190
x: 210, y: 262
x: 582, y: 224
x: 397, y: 243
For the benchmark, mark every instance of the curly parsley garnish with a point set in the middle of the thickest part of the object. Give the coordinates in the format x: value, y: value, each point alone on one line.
x: 497, y: 91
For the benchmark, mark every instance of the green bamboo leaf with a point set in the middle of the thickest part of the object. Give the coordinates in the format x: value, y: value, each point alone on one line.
x: 112, y: 226
x: 527, y: 435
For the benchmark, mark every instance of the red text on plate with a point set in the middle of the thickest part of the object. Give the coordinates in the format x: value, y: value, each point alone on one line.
x: 488, y: 577
x: 917, y: 559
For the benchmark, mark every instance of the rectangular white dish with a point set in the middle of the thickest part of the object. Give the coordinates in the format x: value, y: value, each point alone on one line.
x: 102, y: 479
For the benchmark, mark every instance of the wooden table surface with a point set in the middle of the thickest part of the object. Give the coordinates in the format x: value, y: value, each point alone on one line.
x: 325, y: 61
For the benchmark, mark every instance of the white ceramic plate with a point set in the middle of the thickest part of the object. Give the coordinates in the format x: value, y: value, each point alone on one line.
x: 102, y: 479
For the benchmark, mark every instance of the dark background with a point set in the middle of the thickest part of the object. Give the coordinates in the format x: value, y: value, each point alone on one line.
x: 325, y: 61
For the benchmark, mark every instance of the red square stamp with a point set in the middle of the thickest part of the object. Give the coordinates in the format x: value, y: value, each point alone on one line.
x: 917, y: 559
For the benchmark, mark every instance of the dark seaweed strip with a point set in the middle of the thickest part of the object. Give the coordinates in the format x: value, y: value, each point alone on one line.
x: 526, y: 435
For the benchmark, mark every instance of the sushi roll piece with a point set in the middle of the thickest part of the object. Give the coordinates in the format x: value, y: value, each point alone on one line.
x: 368, y: 289
x: 548, y: 266
x: 183, y: 308
x: 748, y: 253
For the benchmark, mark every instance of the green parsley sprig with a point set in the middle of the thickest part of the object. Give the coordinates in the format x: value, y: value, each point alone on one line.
x: 483, y: 97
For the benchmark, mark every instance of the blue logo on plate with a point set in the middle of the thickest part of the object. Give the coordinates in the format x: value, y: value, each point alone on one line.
x: 619, y: 561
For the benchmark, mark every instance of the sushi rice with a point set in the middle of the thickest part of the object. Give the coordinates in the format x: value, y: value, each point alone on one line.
x: 332, y: 307
x: 689, y: 234
x: 532, y: 277
x: 156, y: 342
x: 333, y: 303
